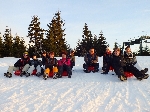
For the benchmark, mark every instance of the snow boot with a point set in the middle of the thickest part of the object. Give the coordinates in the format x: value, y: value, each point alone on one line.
x: 38, y: 74
x: 27, y: 74
x: 122, y: 77
x: 22, y: 73
x: 144, y: 71
x: 104, y: 73
x: 8, y: 74
x: 45, y: 76
x: 145, y: 76
x: 55, y: 76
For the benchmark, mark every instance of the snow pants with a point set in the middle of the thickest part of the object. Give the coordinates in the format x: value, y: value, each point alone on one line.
x: 64, y: 68
x: 31, y: 68
x: 134, y: 71
x: 12, y: 68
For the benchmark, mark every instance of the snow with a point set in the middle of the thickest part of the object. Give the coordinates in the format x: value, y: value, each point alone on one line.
x: 84, y: 92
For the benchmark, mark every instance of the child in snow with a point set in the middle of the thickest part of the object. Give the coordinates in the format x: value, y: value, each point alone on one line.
x: 91, y: 59
x: 22, y: 64
x: 72, y: 59
x: 64, y: 65
x: 50, y: 65
x: 34, y: 64
x: 131, y: 62
x: 106, y: 61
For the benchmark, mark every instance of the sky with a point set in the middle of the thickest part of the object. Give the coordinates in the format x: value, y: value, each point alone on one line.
x: 119, y: 20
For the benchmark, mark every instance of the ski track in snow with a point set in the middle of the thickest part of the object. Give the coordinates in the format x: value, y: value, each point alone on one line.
x: 84, y: 92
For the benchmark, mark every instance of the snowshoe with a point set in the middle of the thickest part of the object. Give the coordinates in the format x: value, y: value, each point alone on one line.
x: 55, y: 76
x: 45, y: 76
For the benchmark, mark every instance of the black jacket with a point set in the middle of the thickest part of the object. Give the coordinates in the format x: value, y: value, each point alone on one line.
x: 51, y: 62
x: 130, y: 59
x: 35, y: 62
x: 22, y: 62
x: 117, y: 61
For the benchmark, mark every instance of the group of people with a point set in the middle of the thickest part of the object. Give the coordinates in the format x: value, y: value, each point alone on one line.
x: 43, y: 67
x: 117, y: 61
x: 120, y: 62
x: 123, y: 62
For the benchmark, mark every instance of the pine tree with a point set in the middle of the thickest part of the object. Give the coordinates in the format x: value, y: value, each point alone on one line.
x: 1, y: 47
x: 35, y: 33
x: 100, y: 47
x: 18, y: 46
x: 86, y: 43
x: 8, y: 42
x: 55, y: 40
x: 146, y: 51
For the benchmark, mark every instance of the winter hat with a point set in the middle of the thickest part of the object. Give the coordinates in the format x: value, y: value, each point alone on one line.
x: 25, y: 53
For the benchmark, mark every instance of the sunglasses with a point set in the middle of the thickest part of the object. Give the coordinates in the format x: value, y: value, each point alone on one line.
x: 25, y: 55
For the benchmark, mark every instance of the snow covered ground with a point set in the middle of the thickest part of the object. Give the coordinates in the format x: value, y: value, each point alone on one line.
x: 84, y: 92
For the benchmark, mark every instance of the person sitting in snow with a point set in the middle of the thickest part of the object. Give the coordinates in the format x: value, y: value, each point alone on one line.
x: 91, y: 60
x: 34, y: 64
x: 106, y: 61
x: 72, y: 58
x: 131, y: 63
x: 119, y: 63
x: 50, y: 64
x: 22, y: 64
x: 64, y: 64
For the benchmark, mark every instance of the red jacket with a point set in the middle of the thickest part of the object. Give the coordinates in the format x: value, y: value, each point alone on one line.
x: 64, y: 61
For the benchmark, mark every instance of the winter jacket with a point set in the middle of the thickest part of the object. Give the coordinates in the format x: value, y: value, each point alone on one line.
x: 91, y: 58
x: 64, y: 61
x: 35, y: 62
x: 117, y: 61
x: 43, y: 60
x: 51, y: 62
x: 22, y: 62
x: 130, y: 59
x: 106, y: 57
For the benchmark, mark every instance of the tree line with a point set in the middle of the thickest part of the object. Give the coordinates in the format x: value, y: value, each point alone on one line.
x: 50, y: 39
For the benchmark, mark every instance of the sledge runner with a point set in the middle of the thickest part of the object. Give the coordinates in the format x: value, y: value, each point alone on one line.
x: 22, y: 65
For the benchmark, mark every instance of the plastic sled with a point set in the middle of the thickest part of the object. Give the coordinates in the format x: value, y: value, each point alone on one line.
x: 111, y: 68
x: 128, y: 74
x: 17, y: 72
x: 90, y: 68
x: 63, y: 74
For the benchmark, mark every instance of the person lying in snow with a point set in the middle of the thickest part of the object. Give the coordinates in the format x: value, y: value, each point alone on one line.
x: 106, y: 61
x: 119, y: 63
x: 91, y: 60
x: 22, y: 64
x: 131, y: 61
x: 64, y: 64
x: 34, y: 64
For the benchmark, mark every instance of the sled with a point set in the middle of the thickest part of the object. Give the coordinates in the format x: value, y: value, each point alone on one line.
x: 128, y: 74
x: 111, y: 68
x: 18, y: 72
